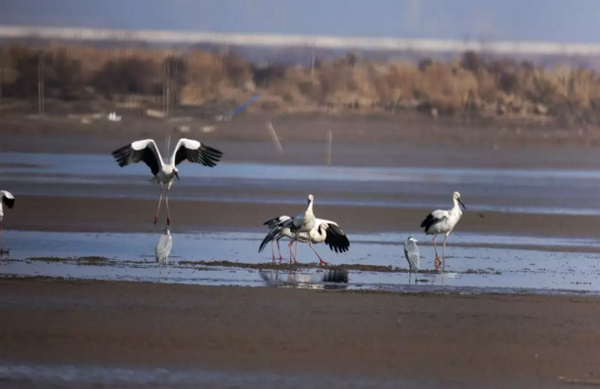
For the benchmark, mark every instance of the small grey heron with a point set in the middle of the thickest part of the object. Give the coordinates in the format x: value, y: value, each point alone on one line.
x: 411, y: 252
x: 8, y: 199
x: 163, y: 247
x: 302, y: 222
x: 164, y: 173
x: 443, y: 222
x: 323, y: 231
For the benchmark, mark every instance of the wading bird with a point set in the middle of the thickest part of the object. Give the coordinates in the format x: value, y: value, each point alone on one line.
x: 411, y: 252
x: 302, y: 222
x: 323, y: 231
x: 8, y: 199
x: 163, y: 247
x: 443, y: 222
x: 272, y: 223
x: 164, y: 173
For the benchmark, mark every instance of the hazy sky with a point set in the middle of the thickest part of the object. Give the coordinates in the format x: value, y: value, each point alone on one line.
x: 549, y: 20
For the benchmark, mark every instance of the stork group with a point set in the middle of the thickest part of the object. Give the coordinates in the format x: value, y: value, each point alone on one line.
x: 304, y: 227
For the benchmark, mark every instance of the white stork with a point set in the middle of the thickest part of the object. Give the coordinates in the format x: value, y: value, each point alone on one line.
x: 302, y: 222
x: 272, y: 223
x: 8, y: 199
x: 443, y: 222
x: 164, y: 173
x: 323, y: 231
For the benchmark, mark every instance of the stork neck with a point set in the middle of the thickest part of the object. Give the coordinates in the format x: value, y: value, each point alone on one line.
x: 456, y: 207
x: 309, y: 210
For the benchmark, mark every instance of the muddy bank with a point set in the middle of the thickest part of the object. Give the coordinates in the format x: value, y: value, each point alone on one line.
x: 483, y: 340
x: 47, y: 213
x: 357, y: 140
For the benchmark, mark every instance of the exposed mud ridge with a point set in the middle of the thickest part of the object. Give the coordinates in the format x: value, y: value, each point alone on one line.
x: 103, y: 261
x: 299, y: 266
x: 87, y: 260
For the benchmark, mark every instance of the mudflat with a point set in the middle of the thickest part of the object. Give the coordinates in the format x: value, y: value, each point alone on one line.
x: 91, y: 214
x: 464, y: 340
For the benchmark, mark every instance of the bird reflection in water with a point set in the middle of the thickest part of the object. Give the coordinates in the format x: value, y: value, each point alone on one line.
x: 327, y: 280
x: 163, y: 247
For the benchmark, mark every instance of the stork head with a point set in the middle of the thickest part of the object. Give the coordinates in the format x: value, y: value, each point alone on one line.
x: 456, y: 196
x: 410, y: 238
x: 310, y: 198
x: 176, y: 173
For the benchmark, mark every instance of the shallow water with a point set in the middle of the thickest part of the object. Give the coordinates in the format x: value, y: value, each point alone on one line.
x: 476, y: 263
x: 542, y: 191
x: 72, y: 376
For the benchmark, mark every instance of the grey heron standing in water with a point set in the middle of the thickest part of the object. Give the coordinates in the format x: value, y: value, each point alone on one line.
x: 7, y: 198
x: 163, y: 247
x: 164, y: 173
x: 443, y: 222
x: 411, y: 252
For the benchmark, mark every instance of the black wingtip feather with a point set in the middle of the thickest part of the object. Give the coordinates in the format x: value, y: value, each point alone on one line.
x: 9, y: 202
x: 428, y: 222
x: 121, y: 155
x: 274, y: 232
x: 336, y: 239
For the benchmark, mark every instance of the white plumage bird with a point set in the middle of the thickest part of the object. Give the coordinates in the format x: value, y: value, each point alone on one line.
x: 411, y: 252
x: 443, y: 222
x: 9, y: 200
x: 163, y: 247
x: 164, y: 173
x: 272, y: 223
x: 323, y: 231
x: 302, y: 222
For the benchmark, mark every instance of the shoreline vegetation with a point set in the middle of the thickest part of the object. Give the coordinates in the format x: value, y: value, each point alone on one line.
x: 469, y: 87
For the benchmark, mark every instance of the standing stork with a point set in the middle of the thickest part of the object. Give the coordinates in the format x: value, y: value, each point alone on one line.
x: 8, y: 199
x: 164, y: 173
x: 443, y: 222
x: 323, y: 231
x: 272, y: 223
x: 302, y: 222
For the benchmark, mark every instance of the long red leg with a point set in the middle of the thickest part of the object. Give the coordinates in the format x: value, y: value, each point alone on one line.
x: 296, y: 253
x: 437, y: 261
x: 291, y: 252
x: 279, y: 250
x: 321, y: 261
x: 167, y: 202
x: 158, y: 207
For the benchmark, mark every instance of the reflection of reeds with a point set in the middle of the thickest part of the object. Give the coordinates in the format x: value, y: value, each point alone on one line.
x: 466, y: 87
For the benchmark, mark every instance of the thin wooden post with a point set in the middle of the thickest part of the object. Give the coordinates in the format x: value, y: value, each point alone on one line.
x: 166, y: 91
x: 328, y: 143
x: 274, y: 137
x: 2, y: 62
x: 41, y: 83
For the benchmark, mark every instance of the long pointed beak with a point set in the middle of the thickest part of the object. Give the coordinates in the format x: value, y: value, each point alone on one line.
x: 177, y: 176
x: 461, y: 203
